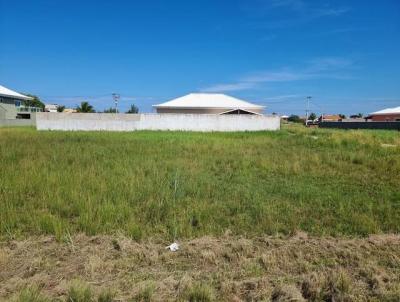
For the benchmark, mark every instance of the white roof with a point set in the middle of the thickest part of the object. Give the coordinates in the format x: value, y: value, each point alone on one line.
x: 12, y: 94
x: 387, y: 111
x: 208, y: 100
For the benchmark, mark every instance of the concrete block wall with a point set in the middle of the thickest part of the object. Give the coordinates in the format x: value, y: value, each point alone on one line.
x: 17, y: 123
x: 132, y: 122
x: 8, y: 111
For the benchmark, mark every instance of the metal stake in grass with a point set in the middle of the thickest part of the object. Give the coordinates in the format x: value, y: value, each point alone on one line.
x: 174, y: 200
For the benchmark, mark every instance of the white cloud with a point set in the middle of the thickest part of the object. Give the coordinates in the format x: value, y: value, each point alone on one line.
x: 229, y: 87
x: 284, y: 97
x: 321, y: 12
x: 319, y: 68
x: 308, y: 8
x: 302, y: 12
x: 292, y: 4
x: 277, y: 76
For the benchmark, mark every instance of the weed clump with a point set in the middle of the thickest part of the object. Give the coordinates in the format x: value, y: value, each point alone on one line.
x: 333, y: 287
x: 199, y: 293
x: 145, y: 294
x: 106, y: 296
x: 79, y: 292
x: 287, y: 293
x: 31, y: 294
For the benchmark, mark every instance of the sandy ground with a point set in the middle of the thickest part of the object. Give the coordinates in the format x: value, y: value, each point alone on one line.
x: 228, y: 268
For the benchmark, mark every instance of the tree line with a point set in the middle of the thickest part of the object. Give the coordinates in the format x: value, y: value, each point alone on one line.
x: 312, y: 117
x: 84, y: 107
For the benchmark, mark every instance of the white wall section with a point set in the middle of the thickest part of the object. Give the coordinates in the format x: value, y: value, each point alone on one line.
x: 132, y: 122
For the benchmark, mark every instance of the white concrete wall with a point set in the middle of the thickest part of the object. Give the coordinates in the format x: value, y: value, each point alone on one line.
x: 17, y: 122
x: 131, y: 122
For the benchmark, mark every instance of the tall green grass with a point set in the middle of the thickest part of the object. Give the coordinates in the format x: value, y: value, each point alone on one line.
x: 179, y: 184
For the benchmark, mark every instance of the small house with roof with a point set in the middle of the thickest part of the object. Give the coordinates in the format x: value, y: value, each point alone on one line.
x: 12, y: 105
x: 208, y: 103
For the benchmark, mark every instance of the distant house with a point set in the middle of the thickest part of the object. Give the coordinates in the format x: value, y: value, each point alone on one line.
x: 386, y: 115
x: 70, y: 110
x: 50, y: 108
x: 208, y: 103
x: 330, y: 118
x: 12, y: 105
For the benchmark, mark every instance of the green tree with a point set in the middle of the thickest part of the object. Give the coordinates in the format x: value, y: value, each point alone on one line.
x: 85, y: 107
x: 35, y: 102
x: 60, y: 108
x: 133, y: 109
x: 312, y: 116
x: 342, y: 116
x: 110, y: 110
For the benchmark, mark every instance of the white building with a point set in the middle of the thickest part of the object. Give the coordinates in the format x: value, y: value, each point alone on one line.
x: 50, y: 107
x: 12, y: 105
x: 208, y: 103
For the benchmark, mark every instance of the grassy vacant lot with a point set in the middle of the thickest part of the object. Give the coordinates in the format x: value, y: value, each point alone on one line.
x: 184, y: 185
x: 86, y: 217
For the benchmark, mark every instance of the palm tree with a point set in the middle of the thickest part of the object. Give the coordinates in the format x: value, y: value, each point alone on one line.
x: 85, y: 107
x: 133, y: 109
x: 60, y: 108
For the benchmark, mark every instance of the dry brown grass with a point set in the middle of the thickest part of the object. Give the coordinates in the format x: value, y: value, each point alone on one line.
x: 226, y: 268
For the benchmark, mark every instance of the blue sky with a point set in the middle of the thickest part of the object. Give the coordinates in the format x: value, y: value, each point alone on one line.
x: 346, y: 54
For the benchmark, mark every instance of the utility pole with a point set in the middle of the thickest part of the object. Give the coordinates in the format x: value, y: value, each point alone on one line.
x: 307, y: 108
x: 116, y: 97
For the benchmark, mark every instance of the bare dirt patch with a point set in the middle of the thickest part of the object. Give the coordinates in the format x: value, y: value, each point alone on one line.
x: 227, y: 268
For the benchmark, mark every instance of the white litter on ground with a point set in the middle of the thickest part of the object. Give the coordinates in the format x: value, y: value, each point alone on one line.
x: 173, y: 247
